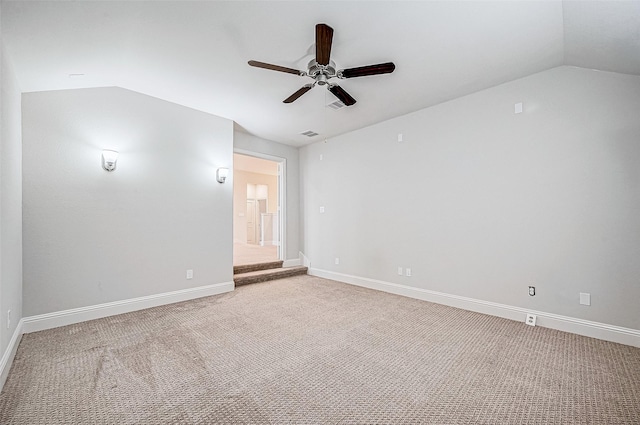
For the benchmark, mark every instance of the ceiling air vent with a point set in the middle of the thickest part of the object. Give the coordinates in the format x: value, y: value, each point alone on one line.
x: 336, y: 105
x: 309, y: 133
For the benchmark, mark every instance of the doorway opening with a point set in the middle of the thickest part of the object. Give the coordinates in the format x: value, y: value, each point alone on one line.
x: 258, y: 206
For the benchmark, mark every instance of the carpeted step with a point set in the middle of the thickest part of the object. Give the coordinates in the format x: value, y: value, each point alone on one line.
x: 246, y: 268
x: 266, y: 275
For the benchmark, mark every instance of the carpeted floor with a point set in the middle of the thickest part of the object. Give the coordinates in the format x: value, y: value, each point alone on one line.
x: 305, y: 350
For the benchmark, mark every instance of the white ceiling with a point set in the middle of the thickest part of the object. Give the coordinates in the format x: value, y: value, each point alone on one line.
x: 196, y: 53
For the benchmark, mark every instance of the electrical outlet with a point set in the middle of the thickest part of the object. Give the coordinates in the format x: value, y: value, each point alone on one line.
x: 400, y: 272
x: 532, y: 290
x: 189, y: 274
x: 337, y: 260
x: 407, y: 272
x: 8, y: 319
x: 321, y: 210
x: 531, y: 319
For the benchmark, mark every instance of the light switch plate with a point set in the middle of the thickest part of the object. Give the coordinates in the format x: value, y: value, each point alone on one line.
x: 585, y: 298
x: 518, y: 108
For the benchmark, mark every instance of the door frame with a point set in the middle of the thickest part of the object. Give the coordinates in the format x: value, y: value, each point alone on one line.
x: 282, y: 196
x: 251, y: 213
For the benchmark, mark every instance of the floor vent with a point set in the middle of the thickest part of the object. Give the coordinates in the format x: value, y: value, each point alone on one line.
x: 309, y: 133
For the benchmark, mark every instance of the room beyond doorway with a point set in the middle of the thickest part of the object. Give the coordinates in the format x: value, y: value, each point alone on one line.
x: 257, y: 203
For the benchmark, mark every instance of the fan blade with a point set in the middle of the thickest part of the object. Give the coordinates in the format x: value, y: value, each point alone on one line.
x: 342, y: 95
x: 275, y: 67
x: 299, y: 93
x: 362, y: 71
x: 324, y: 37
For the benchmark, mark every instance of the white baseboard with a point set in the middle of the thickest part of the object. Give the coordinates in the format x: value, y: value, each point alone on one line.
x: 548, y: 320
x: 291, y: 263
x: 82, y: 314
x: 10, y: 353
x: 304, y: 261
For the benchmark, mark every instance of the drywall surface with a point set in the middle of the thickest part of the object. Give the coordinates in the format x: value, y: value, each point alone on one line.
x: 240, y: 180
x: 92, y: 236
x: 10, y: 203
x: 482, y: 202
x: 249, y: 143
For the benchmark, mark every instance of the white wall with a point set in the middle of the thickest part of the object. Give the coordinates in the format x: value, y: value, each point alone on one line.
x: 10, y: 204
x: 481, y: 202
x: 91, y: 236
x: 247, y: 142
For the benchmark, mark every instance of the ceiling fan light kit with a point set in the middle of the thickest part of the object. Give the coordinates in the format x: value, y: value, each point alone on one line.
x: 322, y: 69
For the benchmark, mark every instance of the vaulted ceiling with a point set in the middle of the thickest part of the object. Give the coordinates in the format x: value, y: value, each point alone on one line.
x: 196, y: 53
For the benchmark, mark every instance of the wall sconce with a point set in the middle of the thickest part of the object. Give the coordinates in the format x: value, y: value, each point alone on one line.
x: 109, y: 159
x: 221, y: 174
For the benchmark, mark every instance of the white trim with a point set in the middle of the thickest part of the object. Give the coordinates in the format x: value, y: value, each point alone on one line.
x: 304, y: 260
x: 82, y: 314
x: 548, y: 320
x: 291, y: 263
x: 259, y: 155
x: 282, y: 208
x: 10, y: 353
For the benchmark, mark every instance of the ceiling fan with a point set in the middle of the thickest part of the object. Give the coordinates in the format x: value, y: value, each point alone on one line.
x: 322, y: 69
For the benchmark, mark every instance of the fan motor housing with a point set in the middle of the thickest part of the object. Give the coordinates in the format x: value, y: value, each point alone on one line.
x: 321, y: 73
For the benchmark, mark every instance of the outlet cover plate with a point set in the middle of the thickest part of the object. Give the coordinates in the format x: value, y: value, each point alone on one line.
x: 531, y: 319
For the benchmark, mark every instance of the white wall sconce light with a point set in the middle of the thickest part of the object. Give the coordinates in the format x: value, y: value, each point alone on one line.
x: 109, y: 159
x: 221, y: 174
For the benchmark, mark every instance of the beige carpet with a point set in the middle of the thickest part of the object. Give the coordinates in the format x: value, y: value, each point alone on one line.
x: 305, y: 350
